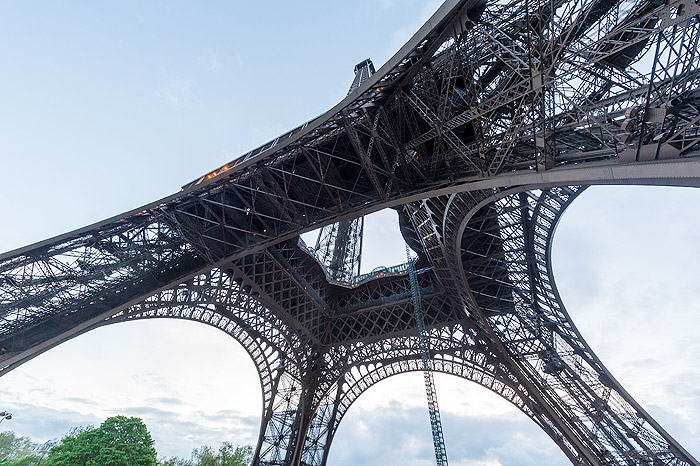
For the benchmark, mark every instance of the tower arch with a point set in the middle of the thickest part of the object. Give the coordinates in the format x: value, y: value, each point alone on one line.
x: 278, y: 352
x: 509, y: 235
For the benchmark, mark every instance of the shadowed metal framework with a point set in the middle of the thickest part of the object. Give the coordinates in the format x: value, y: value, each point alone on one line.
x: 480, y: 131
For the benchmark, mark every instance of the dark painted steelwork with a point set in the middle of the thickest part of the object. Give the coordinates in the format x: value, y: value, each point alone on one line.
x: 363, y: 71
x: 339, y: 246
x: 428, y: 379
x: 480, y: 132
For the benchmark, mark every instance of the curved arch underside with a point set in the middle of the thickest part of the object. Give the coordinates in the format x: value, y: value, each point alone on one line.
x: 494, y: 256
x: 481, y: 130
x: 214, y: 300
x: 515, y: 339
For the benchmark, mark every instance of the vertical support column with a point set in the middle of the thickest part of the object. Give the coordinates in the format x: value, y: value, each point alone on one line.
x: 297, y: 419
x: 322, y: 427
x: 279, y: 429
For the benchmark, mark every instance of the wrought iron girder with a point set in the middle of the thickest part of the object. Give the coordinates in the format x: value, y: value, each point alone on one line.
x: 240, y: 315
x: 453, y: 347
x: 572, y: 29
x: 55, y: 290
x: 437, y: 126
x: 383, y: 287
x: 564, y: 62
x: 387, y: 320
x: 208, y: 298
x: 524, y: 326
x: 214, y: 298
x: 248, y: 216
x: 365, y: 158
x: 282, y: 356
x: 217, y: 299
x: 602, y: 421
x: 339, y: 249
x: 281, y: 288
x: 458, y: 349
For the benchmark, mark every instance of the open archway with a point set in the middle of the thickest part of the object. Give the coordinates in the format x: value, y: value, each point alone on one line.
x: 192, y: 385
x: 388, y: 424
x: 560, y: 232
x: 626, y: 262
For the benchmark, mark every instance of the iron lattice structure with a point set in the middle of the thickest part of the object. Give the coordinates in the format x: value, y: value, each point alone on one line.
x: 428, y: 379
x: 339, y: 249
x: 480, y: 131
x: 339, y: 245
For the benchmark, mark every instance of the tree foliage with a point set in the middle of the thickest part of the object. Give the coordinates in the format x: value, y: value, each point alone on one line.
x: 226, y: 455
x: 21, y: 451
x: 119, y: 441
x: 175, y: 461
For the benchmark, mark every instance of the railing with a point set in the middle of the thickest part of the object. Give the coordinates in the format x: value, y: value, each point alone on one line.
x: 379, y: 272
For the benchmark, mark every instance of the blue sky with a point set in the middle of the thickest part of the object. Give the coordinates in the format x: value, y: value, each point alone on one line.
x: 107, y: 107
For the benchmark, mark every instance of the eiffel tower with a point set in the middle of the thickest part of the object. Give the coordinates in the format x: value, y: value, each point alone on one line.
x: 480, y: 131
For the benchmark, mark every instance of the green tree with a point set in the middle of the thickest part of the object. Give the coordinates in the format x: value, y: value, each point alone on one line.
x: 226, y: 455
x: 175, y: 461
x: 119, y: 441
x: 13, y: 448
x: 20, y: 451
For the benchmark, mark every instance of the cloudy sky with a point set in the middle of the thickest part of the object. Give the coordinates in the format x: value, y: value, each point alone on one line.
x: 107, y: 108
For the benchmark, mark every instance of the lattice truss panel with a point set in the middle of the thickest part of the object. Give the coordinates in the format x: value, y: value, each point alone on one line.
x: 307, y: 389
x: 506, y: 257
x: 339, y: 249
x: 456, y: 350
x: 55, y: 288
x: 549, y: 82
x: 280, y: 353
x: 525, y: 89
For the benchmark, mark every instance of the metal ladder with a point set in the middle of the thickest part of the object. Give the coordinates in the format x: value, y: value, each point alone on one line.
x: 430, y: 393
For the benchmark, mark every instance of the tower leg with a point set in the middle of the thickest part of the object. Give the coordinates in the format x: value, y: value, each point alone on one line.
x: 321, y: 429
x: 598, y: 417
x: 279, y: 429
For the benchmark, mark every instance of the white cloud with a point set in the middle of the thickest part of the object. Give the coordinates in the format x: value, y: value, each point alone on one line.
x: 399, y: 433
x: 215, y: 64
x: 218, y: 62
x: 177, y: 376
x: 637, y: 304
